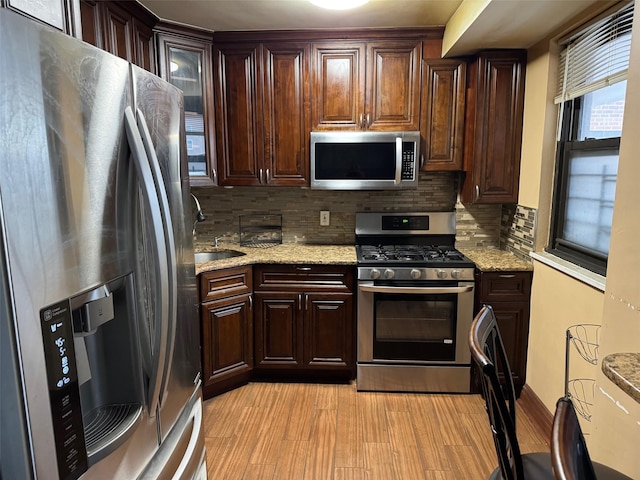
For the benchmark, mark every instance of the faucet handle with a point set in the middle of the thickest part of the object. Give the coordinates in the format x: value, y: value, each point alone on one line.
x: 215, y: 241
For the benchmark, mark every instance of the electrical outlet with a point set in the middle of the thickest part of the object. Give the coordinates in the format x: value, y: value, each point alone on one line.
x: 324, y: 218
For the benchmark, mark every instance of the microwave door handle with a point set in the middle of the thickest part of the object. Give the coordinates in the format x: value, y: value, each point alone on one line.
x: 398, y: 161
x: 170, y: 249
x: 143, y: 170
x: 414, y: 290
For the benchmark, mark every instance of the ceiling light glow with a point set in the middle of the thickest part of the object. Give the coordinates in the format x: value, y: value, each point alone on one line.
x: 338, y: 4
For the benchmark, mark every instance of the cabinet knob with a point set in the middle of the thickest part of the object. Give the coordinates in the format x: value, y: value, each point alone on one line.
x: 368, y: 124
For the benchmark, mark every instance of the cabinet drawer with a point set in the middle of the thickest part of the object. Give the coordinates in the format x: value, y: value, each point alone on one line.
x: 303, y: 278
x: 505, y: 286
x: 224, y: 283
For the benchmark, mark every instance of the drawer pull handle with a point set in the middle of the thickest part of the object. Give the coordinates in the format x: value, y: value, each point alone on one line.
x: 507, y: 276
x: 303, y: 269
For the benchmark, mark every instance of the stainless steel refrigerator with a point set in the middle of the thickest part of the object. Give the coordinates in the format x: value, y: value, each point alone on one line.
x: 99, y: 337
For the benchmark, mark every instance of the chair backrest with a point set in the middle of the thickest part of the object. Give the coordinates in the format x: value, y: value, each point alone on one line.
x: 569, y: 455
x: 487, y: 350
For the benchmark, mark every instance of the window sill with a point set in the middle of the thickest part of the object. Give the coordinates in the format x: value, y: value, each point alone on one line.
x: 582, y: 274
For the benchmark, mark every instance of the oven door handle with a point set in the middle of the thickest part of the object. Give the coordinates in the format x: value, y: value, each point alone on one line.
x: 414, y: 290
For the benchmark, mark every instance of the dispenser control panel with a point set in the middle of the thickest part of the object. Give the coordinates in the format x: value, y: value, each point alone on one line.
x: 64, y: 392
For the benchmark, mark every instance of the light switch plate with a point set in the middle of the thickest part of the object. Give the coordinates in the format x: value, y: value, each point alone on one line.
x: 325, y: 218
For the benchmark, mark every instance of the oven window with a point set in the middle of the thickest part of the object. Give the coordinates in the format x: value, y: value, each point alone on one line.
x: 415, y: 327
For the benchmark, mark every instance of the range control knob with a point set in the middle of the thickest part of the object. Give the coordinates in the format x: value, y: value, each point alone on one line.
x: 455, y: 273
x: 375, y: 273
x: 415, y: 273
x: 441, y: 274
x: 389, y: 274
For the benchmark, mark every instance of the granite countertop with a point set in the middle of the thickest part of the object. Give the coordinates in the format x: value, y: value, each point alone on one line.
x: 494, y: 260
x: 289, y: 253
x: 623, y: 369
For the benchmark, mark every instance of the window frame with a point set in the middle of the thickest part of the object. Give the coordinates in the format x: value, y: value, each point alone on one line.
x: 583, y: 256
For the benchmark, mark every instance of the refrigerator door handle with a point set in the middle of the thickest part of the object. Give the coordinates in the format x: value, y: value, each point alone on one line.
x: 170, y: 249
x: 143, y: 170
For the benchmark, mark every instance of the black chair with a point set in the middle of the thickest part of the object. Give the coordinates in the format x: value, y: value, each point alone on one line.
x: 569, y: 455
x: 487, y: 350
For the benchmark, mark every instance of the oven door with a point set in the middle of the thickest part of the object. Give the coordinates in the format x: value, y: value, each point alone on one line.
x: 414, y: 322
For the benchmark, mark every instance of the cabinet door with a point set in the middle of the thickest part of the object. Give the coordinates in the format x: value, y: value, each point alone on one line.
x: 393, y: 85
x: 278, y: 330
x: 329, y: 324
x: 286, y: 113
x: 116, y: 30
x: 227, y: 341
x: 443, y: 103
x: 338, y: 86
x: 513, y: 322
x: 186, y: 63
x: 238, y: 114
x: 493, y: 136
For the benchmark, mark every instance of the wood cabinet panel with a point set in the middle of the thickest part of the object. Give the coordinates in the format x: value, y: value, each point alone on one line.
x: 226, y: 314
x: 227, y: 324
x: 238, y: 114
x: 493, y: 124
x: 184, y: 60
x: 328, y: 330
x: 262, y: 113
x: 122, y: 28
x: 338, y: 85
x: 371, y: 85
x: 443, y: 104
x: 286, y: 113
x: 508, y: 293
x: 303, y: 324
x: 393, y: 94
x: 278, y: 330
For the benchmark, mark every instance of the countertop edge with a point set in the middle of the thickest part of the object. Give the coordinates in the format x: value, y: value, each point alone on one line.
x: 623, y: 369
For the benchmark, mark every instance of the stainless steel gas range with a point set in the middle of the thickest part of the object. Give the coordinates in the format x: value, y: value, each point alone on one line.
x: 415, y: 303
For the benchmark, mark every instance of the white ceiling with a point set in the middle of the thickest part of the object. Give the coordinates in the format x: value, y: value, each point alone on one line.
x: 470, y: 24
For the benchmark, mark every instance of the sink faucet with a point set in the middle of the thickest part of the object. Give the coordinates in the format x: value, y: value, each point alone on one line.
x: 199, y: 215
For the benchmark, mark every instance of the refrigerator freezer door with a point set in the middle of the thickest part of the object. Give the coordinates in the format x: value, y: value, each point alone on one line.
x: 66, y: 195
x: 160, y: 109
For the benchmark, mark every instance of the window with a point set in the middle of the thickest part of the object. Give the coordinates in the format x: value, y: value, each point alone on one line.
x: 591, y: 95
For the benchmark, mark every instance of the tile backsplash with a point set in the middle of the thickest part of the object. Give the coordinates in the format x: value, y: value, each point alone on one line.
x: 300, y: 209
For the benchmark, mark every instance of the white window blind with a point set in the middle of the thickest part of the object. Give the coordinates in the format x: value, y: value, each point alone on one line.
x: 596, y: 56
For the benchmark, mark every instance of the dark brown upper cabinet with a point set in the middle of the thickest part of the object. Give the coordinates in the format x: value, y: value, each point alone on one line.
x: 372, y: 85
x: 443, y: 107
x: 122, y: 28
x: 493, y: 127
x: 262, y: 112
x: 185, y: 61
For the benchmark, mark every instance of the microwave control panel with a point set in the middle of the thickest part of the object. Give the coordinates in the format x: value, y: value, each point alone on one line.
x: 408, y: 161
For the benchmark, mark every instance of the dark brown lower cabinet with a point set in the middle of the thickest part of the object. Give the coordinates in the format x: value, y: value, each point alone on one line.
x: 226, y: 329
x: 509, y: 294
x: 304, y: 321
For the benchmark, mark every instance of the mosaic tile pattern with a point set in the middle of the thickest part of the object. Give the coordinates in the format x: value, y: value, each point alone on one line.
x: 518, y: 230
x: 300, y: 209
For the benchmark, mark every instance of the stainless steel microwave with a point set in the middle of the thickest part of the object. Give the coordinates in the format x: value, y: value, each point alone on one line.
x: 364, y: 160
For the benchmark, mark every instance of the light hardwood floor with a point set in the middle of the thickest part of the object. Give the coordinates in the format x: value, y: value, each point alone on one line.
x: 289, y: 431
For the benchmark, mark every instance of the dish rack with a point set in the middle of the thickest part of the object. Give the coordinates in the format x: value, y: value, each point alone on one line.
x: 260, y: 230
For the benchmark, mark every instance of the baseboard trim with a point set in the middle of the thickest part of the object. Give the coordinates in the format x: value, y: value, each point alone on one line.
x: 539, y: 414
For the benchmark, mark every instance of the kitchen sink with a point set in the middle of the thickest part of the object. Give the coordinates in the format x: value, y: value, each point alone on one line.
x: 217, y: 255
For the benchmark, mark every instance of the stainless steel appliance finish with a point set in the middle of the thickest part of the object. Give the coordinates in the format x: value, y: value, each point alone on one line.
x: 96, y: 274
x: 415, y: 303
x: 364, y: 160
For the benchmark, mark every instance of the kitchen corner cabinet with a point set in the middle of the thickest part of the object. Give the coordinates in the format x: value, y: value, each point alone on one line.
x: 185, y: 61
x: 122, y: 28
x: 373, y: 85
x: 226, y: 329
x: 443, y: 105
x: 304, y: 320
x: 493, y: 127
x: 508, y: 292
x: 262, y: 112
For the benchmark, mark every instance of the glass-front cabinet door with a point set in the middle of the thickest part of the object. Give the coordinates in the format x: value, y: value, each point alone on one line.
x: 185, y: 61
